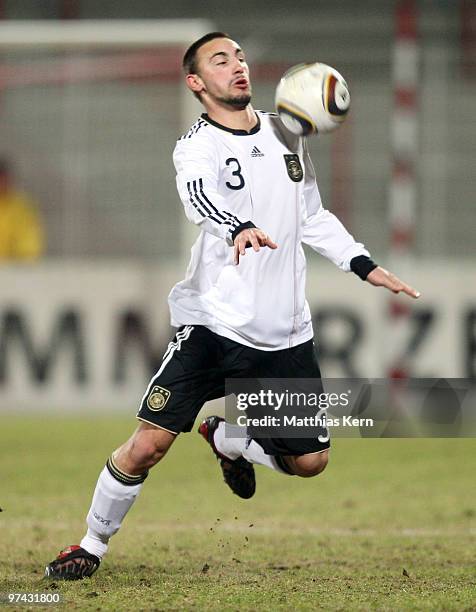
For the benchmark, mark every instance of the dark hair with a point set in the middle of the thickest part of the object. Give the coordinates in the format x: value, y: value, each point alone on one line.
x: 189, y: 62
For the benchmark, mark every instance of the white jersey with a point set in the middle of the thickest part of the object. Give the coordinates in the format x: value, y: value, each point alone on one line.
x: 226, y: 178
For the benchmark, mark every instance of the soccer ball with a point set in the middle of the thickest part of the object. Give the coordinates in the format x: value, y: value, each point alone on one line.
x: 311, y: 99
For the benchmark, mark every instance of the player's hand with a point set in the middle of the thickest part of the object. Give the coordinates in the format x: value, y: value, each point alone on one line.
x: 253, y: 237
x: 383, y: 278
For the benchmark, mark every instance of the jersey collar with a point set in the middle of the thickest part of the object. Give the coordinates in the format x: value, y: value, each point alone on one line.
x: 253, y: 130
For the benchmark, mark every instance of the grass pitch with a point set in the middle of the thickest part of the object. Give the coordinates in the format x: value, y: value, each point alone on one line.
x: 390, y: 525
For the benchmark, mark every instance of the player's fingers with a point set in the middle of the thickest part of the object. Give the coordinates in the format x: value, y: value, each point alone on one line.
x: 254, y: 240
x: 390, y: 281
x: 270, y: 243
x: 410, y: 291
x: 236, y: 254
x: 397, y: 286
x: 265, y: 240
x: 243, y: 241
x: 381, y: 277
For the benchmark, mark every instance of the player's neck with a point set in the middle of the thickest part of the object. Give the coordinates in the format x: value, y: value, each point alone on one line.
x: 244, y: 119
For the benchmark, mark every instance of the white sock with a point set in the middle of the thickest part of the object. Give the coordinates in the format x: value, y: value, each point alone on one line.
x: 231, y: 441
x: 111, y: 502
x: 255, y: 454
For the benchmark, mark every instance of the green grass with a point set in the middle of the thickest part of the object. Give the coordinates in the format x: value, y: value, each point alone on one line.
x: 336, y: 542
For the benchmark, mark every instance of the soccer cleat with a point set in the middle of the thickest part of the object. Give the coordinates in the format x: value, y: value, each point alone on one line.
x: 239, y: 474
x: 72, y: 563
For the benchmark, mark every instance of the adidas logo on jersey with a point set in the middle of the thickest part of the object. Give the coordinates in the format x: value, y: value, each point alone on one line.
x: 255, y: 152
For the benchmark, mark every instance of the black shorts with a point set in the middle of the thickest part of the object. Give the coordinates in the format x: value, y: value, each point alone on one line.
x: 193, y: 371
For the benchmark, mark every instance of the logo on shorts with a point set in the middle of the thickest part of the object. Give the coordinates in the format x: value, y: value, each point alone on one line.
x: 158, y: 397
x: 294, y: 168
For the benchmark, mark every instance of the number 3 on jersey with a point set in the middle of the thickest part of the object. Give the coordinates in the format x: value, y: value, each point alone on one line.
x: 236, y: 172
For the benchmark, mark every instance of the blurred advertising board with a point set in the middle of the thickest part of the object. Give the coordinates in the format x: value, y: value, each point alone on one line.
x: 84, y: 335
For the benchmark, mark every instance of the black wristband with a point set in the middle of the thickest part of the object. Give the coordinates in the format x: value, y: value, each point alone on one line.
x: 362, y: 266
x: 240, y: 228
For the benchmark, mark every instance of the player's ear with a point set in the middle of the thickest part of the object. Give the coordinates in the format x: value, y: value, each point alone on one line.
x: 195, y: 83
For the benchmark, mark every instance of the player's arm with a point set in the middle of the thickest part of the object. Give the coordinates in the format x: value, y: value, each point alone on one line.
x: 325, y: 234
x: 197, y: 167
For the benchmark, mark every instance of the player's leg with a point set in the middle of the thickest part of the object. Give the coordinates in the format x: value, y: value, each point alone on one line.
x: 117, y: 488
x: 173, y: 399
x: 305, y: 457
x: 144, y: 449
x: 230, y: 442
x: 301, y: 457
x: 120, y: 483
x: 310, y: 464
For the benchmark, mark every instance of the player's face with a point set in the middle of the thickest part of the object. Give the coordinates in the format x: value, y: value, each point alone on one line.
x: 224, y: 73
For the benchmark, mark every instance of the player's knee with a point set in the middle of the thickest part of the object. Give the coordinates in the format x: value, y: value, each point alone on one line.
x: 145, y: 454
x: 151, y: 446
x: 147, y: 446
x: 310, y: 465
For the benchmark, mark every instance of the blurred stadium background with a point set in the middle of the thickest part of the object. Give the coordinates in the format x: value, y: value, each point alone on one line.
x: 89, y: 114
x: 91, y: 103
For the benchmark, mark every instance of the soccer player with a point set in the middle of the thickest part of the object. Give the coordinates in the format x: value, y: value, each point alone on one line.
x: 246, y: 182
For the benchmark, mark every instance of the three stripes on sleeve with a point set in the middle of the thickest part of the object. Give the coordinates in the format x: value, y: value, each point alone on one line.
x: 206, y: 208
